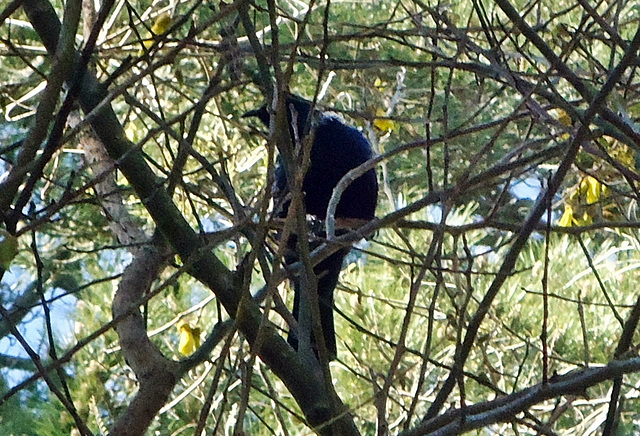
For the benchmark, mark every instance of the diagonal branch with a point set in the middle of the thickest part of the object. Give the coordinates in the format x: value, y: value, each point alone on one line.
x: 503, y: 409
x: 311, y: 392
x: 530, y: 224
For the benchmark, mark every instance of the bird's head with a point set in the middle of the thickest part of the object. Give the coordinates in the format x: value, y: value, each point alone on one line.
x: 300, y: 106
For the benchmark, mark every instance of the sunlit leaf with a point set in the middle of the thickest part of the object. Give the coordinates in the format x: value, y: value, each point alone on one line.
x: 383, y: 124
x: 189, y: 338
x: 160, y: 26
x: 591, y: 189
x: 567, y: 217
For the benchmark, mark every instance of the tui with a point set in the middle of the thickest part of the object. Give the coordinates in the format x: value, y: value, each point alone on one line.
x: 337, y: 148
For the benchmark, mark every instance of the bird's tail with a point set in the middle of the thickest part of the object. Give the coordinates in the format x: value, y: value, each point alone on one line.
x: 327, y: 273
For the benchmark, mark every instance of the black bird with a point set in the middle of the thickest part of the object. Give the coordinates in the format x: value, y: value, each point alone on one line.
x: 337, y: 148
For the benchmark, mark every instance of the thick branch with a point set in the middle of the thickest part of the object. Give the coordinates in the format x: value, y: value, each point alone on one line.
x: 156, y: 374
x: 504, y: 409
x: 310, y: 392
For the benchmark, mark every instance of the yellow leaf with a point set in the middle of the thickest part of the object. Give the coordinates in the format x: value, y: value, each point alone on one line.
x: 385, y: 125
x: 593, y: 195
x: 567, y: 217
x: 620, y: 152
x: 162, y: 24
x: 189, y: 338
x: 562, y: 116
x: 592, y: 189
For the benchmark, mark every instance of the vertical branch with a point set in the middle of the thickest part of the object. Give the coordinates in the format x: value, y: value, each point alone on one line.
x: 206, y: 406
x: 434, y: 251
x: 545, y: 298
x: 583, y: 329
x: 156, y: 374
x: 51, y: 384
x: 603, y: 288
x: 533, y: 218
x: 47, y: 317
x: 63, y: 60
x: 626, y: 339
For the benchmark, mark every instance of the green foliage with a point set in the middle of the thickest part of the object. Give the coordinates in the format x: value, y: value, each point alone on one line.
x: 475, y: 115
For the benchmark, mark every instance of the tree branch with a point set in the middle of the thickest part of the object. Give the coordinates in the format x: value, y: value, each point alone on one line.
x: 503, y: 409
x: 310, y: 392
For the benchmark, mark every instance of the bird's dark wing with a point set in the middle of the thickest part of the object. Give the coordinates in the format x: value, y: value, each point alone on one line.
x: 337, y: 148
